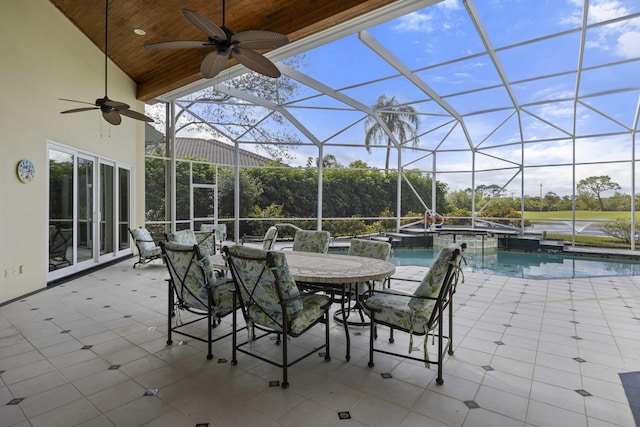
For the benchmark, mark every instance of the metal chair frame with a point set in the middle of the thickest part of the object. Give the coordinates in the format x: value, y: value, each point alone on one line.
x: 243, y: 298
x: 177, y: 293
x: 434, y: 326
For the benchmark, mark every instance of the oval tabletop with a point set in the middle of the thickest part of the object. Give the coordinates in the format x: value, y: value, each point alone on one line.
x: 336, y: 269
x: 320, y: 268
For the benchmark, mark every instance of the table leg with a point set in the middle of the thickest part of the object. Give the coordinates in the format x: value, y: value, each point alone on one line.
x: 344, y: 320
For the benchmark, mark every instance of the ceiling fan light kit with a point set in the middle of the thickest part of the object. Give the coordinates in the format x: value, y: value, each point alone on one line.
x: 111, y: 110
x: 227, y: 43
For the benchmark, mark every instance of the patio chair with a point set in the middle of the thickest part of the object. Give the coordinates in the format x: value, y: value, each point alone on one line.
x: 421, y: 313
x: 147, y: 248
x: 311, y: 241
x: 272, y: 304
x: 268, y: 240
x: 59, y: 241
x: 219, y: 230
x: 204, y: 239
x: 194, y: 287
x: 365, y: 248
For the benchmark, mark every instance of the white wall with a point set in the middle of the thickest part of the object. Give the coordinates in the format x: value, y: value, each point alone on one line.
x: 45, y: 57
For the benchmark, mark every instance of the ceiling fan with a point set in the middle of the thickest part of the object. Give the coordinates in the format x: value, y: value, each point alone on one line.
x: 111, y: 110
x: 228, y: 43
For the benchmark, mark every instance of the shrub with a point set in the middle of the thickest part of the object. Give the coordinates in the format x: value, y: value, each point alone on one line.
x: 620, y: 229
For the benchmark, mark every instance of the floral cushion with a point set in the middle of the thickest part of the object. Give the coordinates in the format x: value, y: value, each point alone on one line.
x: 257, y: 282
x: 433, y: 280
x: 311, y: 241
x: 312, y: 309
x: 220, y: 230
x: 144, y: 242
x: 191, y: 283
x: 190, y: 238
x: 370, y: 249
x: 183, y: 237
x: 392, y: 307
x: 269, y: 238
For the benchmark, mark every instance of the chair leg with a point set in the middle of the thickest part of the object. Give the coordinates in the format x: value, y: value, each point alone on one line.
x: 209, y: 317
x: 372, y: 337
x: 234, y: 327
x: 439, y: 379
x: 169, y: 312
x: 450, y: 326
x: 285, y: 362
x: 327, y: 354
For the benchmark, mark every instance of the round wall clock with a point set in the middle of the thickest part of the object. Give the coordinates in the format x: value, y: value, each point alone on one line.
x: 26, y: 170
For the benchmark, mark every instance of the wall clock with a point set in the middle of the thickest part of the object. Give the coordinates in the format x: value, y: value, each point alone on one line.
x: 26, y: 170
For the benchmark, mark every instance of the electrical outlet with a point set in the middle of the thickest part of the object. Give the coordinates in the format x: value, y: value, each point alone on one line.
x: 6, y: 273
x: 21, y: 269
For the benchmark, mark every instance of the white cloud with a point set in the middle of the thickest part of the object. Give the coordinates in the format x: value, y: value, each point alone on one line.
x: 416, y: 21
x: 629, y: 45
x: 605, y: 10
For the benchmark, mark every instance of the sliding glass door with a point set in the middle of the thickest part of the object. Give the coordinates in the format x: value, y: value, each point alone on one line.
x: 89, y: 211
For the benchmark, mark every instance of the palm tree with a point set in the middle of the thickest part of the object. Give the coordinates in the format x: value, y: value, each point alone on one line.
x: 401, y: 120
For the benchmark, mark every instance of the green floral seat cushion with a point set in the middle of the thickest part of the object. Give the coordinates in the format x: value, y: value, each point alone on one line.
x: 263, y: 302
x: 433, y: 280
x: 370, y: 249
x: 192, y: 289
x: 144, y: 242
x: 392, y: 307
x: 219, y: 231
x: 312, y: 309
x: 252, y: 271
x: 269, y: 238
x: 190, y: 238
x: 311, y: 241
x: 183, y: 237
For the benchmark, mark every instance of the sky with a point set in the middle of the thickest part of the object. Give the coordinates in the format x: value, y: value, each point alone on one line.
x: 537, y: 47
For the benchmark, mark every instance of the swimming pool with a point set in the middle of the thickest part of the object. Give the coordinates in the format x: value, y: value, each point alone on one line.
x: 528, y: 265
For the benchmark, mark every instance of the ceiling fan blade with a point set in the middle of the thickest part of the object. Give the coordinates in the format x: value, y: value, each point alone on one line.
x: 259, y: 39
x: 115, y: 104
x: 73, y: 100
x: 212, y: 64
x: 135, y: 115
x: 256, y: 62
x: 112, y: 116
x: 178, y: 44
x: 77, y: 110
x: 204, y: 25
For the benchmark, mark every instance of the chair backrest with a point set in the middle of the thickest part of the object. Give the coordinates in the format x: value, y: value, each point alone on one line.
x: 183, y: 237
x: 439, y: 280
x: 311, y: 241
x: 143, y: 240
x: 59, y: 242
x: 264, y: 285
x: 220, y: 230
x: 270, y: 238
x: 189, y: 279
x: 370, y: 249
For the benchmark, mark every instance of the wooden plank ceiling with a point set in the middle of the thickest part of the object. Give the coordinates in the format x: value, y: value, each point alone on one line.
x: 157, y: 72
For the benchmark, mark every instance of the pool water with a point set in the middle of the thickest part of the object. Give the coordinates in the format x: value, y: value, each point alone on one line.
x: 528, y: 265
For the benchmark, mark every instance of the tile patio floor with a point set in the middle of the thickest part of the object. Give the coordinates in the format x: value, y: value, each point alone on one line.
x: 527, y: 353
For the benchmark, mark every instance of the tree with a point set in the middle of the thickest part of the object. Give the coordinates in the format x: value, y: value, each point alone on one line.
x: 210, y: 109
x: 550, y: 199
x: 594, y: 186
x: 400, y: 120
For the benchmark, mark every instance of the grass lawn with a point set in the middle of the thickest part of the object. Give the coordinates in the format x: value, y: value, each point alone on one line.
x: 535, y: 216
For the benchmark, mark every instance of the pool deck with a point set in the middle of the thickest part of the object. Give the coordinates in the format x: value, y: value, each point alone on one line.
x: 93, y: 352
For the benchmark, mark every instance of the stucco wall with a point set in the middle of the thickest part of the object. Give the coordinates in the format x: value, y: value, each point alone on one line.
x: 44, y: 58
